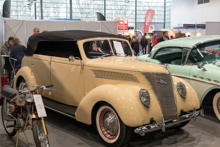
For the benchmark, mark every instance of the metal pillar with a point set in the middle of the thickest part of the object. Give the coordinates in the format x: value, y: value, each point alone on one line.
x: 164, y: 25
x: 41, y: 9
x: 105, y: 8
x: 71, y: 9
x: 135, y: 17
x: 35, y: 10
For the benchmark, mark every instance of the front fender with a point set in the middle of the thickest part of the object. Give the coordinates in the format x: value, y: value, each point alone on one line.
x: 26, y: 73
x: 125, y: 100
x: 190, y: 102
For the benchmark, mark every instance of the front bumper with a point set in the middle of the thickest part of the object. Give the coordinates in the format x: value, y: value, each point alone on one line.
x: 167, y: 124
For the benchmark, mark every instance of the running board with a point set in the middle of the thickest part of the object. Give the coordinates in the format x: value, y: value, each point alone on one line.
x: 60, y: 108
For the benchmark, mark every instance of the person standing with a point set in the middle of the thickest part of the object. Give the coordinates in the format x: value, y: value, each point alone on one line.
x: 144, y: 44
x: 155, y: 40
x: 36, y: 31
x: 164, y: 37
x: 178, y: 35
x: 5, y: 50
x: 18, y: 51
x: 136, y: 46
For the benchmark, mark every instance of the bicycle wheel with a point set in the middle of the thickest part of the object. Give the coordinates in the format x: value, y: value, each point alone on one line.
x: 39, y: 137
x: 7, y: 120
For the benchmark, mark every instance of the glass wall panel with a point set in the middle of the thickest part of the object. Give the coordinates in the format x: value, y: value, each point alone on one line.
x: 53, y: 9
x: 156, y: 5
x: 121, y: 9
x: 86, y: 9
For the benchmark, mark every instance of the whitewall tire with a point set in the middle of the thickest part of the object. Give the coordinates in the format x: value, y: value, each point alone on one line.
x: 216, y: 105
x: 112, y: 131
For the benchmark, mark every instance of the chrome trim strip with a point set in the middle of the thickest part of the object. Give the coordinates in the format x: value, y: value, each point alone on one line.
x: 60, y: 112
x: 208, y: 79
x: 117, y: 72
x: 195, y: 76
x: 216, y: 81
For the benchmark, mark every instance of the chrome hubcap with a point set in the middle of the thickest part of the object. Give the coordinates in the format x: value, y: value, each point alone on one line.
x: 109, y: 124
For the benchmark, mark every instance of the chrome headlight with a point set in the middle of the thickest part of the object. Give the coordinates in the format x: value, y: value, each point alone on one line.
x: 181, y: 88
x: 29, y: 97
x: 144, y: 97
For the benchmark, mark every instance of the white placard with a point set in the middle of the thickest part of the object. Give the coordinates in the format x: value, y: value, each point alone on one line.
x: 118, y: 47
x: 39, y: 105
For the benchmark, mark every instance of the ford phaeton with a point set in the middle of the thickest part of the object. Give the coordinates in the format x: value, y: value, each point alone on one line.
x: 97, y: 80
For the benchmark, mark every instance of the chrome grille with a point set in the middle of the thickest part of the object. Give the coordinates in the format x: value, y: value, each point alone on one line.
x: 163, y: 87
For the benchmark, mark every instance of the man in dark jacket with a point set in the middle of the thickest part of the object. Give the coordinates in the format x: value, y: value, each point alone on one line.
x: 164, y: 37
x: 144, y: 44
x: 18, y: 51
x: 5, y: 50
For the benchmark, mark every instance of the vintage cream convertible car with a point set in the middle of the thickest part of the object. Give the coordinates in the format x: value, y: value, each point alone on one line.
x: 98, y: 81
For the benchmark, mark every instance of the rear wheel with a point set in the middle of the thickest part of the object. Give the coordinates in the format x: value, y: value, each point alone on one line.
x: 216, y: 105
x: 112, y: 131
x: 7, y: 120
x: 39, y: 137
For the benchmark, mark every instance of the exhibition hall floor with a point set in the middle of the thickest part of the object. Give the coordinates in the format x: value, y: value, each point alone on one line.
x: 66, y: 132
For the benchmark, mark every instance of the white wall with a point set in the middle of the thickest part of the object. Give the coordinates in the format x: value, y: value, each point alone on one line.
x: 189, y: 12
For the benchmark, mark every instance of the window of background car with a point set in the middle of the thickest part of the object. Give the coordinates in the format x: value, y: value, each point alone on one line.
x: 62, y: 49
x: 205, y: 53
x: 171, y: 55
x: 97, y: 48
x: 121, y: 48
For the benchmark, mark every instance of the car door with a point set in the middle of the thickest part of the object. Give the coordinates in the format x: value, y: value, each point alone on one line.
x: 66, y: 74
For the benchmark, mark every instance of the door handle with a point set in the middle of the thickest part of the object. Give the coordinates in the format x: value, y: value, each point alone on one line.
x: 52, y: 68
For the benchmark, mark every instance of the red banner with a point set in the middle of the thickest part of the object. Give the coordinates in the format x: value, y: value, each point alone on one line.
x: 148, y: 19
x: 120, y: 24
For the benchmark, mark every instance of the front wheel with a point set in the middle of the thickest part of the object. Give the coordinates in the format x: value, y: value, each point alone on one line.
x: 39, y: 137
x: 112, y: 131
x: 7, y: 120
x: 216, y: 105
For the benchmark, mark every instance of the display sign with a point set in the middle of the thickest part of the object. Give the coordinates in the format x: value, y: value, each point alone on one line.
x: 39, y: 105
x: 121, y: 24
x: 148, y: 19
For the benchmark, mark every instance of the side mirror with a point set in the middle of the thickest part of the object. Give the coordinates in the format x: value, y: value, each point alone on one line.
x: 71, y: 58
x: 201, y: 65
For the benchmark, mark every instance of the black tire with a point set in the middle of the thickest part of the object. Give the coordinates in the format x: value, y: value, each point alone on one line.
x: 9, y: 130
x: 119, y: 134
x: 38, y: 133
x: 181, y: 125
x: 21, y: 82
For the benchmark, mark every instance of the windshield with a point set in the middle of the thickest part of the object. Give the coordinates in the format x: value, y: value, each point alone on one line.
x: 205, y: 53
x: 121, y: 48
x: 102, y: 48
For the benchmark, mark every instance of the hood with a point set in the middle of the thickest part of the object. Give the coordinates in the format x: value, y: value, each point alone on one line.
x: 126, y: 64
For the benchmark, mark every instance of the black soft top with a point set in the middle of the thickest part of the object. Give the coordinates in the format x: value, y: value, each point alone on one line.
x: 70, y: 35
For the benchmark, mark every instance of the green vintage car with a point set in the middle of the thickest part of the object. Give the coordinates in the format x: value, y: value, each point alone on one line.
x: 196, y: 60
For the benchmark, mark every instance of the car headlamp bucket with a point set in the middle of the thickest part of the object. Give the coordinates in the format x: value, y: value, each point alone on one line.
x: 181, y: 88
x: 29, y: 97
x: 144, y: 97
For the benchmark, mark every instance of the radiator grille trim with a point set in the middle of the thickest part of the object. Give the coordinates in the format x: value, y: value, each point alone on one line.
x: 162, y: 85
x: 115, y: 75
